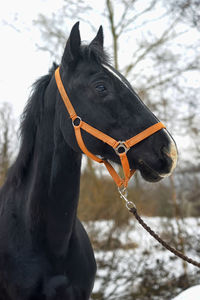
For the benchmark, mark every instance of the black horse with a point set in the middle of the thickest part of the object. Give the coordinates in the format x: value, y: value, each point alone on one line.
x: 45, y: 252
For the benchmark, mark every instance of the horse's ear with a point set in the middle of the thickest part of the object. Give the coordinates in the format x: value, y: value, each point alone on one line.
x: 98, y: 40
x: 72, y: 49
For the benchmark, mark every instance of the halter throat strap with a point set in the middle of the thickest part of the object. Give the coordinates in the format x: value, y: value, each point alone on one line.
x: 120, y: 147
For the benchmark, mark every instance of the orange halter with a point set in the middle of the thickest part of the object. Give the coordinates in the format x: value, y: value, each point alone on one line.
x: 120, y: 147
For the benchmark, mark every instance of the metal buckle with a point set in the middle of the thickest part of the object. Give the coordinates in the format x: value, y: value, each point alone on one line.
x: 123, y: 195
x: 76, y: 119
x: 121, y: 148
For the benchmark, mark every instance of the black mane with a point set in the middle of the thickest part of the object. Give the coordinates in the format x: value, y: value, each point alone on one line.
x: 30, y: 119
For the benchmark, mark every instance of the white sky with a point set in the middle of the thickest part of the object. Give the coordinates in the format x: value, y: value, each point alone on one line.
x: 20, y: 60
x: 21, y: 63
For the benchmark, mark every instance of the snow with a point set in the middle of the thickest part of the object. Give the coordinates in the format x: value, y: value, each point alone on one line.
x: 126, y: 260
x: 193, y: 293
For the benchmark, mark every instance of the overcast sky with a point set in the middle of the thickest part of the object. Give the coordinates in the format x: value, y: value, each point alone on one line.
x: 21, y: 63
x: 20, y: 60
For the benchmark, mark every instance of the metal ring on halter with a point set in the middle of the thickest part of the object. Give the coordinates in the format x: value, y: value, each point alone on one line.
x: 121, y: 148
x: 76, y: 119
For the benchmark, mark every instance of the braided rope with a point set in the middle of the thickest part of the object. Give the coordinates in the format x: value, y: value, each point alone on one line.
x: 133, y: 210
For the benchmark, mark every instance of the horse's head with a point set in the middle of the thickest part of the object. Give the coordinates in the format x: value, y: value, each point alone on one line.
x: 105, y: 99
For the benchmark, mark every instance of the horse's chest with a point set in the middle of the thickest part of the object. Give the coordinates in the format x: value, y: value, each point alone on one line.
x: 76, y: 270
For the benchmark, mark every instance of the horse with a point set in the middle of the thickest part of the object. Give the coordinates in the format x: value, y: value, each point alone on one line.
x: 45, y: 253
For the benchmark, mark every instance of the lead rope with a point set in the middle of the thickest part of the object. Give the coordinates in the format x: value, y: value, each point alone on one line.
x: 132, y: 208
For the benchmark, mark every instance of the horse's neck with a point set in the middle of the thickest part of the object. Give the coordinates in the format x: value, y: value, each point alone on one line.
x: 63, y: 196
x: 54, y: 189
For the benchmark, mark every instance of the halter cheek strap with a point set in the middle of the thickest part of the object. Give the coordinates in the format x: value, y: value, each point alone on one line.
x: 120, y: 147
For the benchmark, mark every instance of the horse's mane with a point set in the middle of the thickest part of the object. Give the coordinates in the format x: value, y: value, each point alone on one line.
x: 33, y: 113
x: 30, y: 119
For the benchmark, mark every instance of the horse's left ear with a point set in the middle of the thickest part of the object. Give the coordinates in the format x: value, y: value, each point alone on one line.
x: 98, y: 40
x: 72, y: 49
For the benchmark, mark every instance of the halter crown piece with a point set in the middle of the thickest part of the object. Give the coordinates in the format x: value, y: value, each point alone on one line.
x: 120, y: 147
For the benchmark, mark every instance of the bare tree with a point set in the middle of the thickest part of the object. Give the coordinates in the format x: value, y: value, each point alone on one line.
x: 55, y: 29
x: 190, y: 11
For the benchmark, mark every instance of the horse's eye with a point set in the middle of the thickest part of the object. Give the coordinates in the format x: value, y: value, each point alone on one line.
x: 100, y: 88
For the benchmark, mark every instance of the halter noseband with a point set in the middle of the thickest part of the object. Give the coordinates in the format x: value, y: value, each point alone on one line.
x: 120, y: 147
